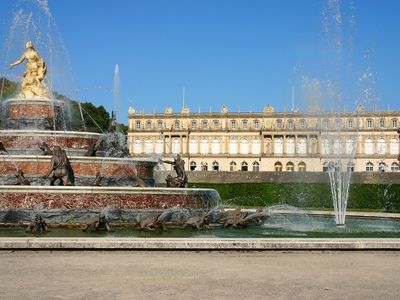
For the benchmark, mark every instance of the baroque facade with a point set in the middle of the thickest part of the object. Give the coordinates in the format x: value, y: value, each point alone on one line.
x: 269, y: 140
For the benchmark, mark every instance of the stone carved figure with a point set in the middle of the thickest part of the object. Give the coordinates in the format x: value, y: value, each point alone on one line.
x: 38, y: 225
x: 33, y: 86
x: 98, y: 225
x: 181, y: 179
x: 21, y: 180
x: 45, y: 149
x: 197, y: 222
x: 151, y: 223
x: 60, y: 168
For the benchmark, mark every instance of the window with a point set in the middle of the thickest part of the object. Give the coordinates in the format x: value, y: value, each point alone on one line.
x: 193, y: 166
x: 137, y: 147
x: 176, y: 146
x: 256, y: 146
x: 381, y: 146
x: 350, y: 167
x: 369, y: 146
x: 138, y: 125
x: 148, y: 146
x: 215, y: 124
x: 176, y: 125
x: 159, y: 125
x: 278, y: 167
x: 337, y: 123
x: 394, y: 146
x: 204, y: 166
x: 148, y: 124
x: 325, y: 123
x: 159, y: 146
x: 302, y: 166
x: 256, y: 166
x: 394, y: 167
x: 194, y: 124
x: 256, y: 124
x: 233, y: 146
x: 369, y: 123
x: 244, y: 124
x: 302, y: 146
x: 233, y: 124
x: 279, y: 124
x: 290, y: 166
x: 232, y: 166
x: 337, y: 147
x: 325, y: 167
x: 290, y: 146
x: 215, y: 146
x: 369, y: 167
x: 204, y: 146
x: 244, y: 146
x: 215, y: 166
x: 325, y: 147
x: 302, y: 123
x: 244, y: 166
x: 394, y: 123
x: 382, y: 123
x: 290, y: 124
x: 193, y: 147
x: 382, y: 167
x: 204, y: 124
x: 350, y: 123
x: 278, y: 146
x: 349, y: 147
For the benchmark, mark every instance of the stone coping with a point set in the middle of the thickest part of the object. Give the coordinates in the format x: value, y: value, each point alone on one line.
x: 61, y: 133
x: 208, y: 244
x: 99, y: 189
x: 99, y: 159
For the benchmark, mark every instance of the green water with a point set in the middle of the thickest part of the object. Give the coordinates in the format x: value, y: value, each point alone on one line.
x: 275, y: 227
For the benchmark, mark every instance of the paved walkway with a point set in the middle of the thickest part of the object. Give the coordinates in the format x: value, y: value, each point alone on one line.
x: 199, y: 275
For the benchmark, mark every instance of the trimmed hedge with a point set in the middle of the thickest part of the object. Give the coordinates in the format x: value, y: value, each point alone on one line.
x: 378, y: 197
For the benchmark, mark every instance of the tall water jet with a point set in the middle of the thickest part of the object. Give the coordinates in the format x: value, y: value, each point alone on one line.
x: 116, y: 89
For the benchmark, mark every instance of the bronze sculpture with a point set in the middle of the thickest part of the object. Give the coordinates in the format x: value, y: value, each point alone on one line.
x: 181, y: 180
x: 60, y: 167
x: 21, y: 180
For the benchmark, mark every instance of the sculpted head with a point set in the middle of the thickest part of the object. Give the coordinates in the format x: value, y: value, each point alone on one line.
x: 57, y: 150
x: 29, y: 45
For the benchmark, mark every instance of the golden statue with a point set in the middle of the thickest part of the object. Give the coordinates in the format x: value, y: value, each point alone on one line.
x: 33, y: 86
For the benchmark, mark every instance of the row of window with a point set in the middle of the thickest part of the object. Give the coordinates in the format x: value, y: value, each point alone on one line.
x: 215, y: 124
x: 382, y: 167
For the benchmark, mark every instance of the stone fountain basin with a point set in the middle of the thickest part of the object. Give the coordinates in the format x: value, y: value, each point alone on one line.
x: 78, y: 205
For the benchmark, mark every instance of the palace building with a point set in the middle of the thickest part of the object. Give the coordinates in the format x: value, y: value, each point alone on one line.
x: 269, y: 140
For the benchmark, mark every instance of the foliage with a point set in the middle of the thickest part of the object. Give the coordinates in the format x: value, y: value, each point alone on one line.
x: 96, y: 118
x: 8, y: 88
x: 379, y: 197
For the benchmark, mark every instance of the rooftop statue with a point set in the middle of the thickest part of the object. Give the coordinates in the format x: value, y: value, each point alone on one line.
x: 33, y: 86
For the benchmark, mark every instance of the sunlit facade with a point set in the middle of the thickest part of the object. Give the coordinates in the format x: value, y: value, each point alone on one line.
x: 269, y: 140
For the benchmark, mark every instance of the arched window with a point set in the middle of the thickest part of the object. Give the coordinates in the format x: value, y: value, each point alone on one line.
x: 302, y: 146
x: 244, y: 166
x: 204, y: 166
x: 382, y: 167
x: 325, y: 167
x: 350, y: 167
x: 148, y: 146
x: 244, y: 146
x: 336, y: 147
x: 290, y: 146
x: 278, y: 166
x: 278, y: 146
x: 302, y: 166
x: 256, y: 146
x: 215, y: 146
x: 232, y: 166
x: 176, y: 125
x: 349, y: 147
x: 394, y: 167
x: 137, y: 147
x: 381, y: 146
x: 215, y: 166
x: 193, y: 147
x: 204, y: 146
x: 193, y: 166
x: 325, y: 147
x: 369, y: 146
x: 256, y: 166
x: 159, y: 146
x: 290, y: 166
x: 369, y: 167
x: 394, y: 146
x: 176, y: 146
x: 233, y: 146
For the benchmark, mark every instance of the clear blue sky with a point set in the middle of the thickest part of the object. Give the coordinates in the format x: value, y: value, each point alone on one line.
x: 242, y: 53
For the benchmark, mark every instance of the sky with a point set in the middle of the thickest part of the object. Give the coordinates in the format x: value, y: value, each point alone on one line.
x: 241, y: 53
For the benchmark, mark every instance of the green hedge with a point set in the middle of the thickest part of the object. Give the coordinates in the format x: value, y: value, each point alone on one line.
x: 377, y: 197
